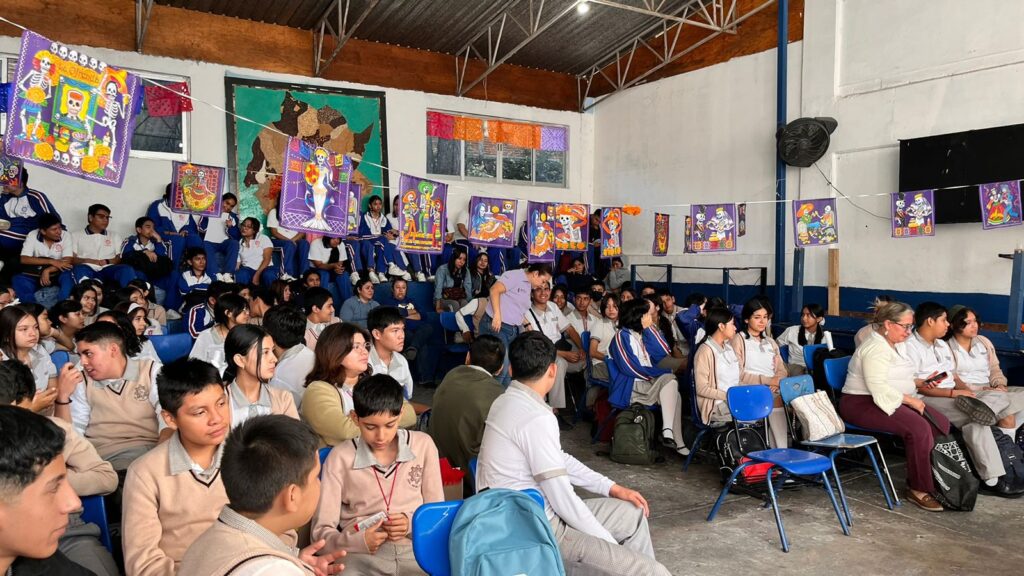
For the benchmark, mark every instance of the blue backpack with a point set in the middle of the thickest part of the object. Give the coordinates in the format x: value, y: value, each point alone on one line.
x: 501, y: 532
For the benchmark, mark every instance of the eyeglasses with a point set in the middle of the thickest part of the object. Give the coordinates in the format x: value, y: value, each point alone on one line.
x: 362, y: 346
x: 908, y: 327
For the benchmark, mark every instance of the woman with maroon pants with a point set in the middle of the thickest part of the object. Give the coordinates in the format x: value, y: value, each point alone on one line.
x: 880, y: 394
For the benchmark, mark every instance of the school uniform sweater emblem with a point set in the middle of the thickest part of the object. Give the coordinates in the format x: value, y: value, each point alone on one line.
x: 139, y: 393
x: 416, y: 476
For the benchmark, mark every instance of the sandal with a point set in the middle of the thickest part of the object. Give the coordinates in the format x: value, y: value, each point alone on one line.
x: 926, y: 502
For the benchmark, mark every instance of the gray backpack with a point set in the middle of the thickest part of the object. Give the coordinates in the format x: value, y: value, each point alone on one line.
x: 633, y: 439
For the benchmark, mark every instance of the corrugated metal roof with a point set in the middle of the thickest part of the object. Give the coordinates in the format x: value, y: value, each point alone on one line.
x: 570, y: 45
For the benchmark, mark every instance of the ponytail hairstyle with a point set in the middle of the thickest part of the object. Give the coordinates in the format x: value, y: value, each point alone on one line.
x: 239, y: 342
x: 228, y: 307
x: 889, y: 310
x: 819, y: 333
x: 130, y: 309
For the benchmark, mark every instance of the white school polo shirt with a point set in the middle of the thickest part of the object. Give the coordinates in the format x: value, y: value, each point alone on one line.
x: 376, y: 225
x: 972, y: 365
x: 321, y: 253
x: 96, y: 246
x: 399, y: 369
x: 552, y: 321
x: 929, y: 358
x: 250, y: 254
x: 272, y: 222
x: 217, y: 228
x: 36, y: 247
x: 179, y: 220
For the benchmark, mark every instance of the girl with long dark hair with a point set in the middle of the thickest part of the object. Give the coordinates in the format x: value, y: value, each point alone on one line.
x: 251, y: 362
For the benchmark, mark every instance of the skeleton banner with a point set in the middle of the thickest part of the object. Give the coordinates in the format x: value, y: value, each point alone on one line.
x: 10, y: 171
x: 814, y: 222
x: 355, y: 192
x: 611, y: 232
x: 713, y: 228
x: 660, y: 246
x: 1000, y: 204
x: 314, y: 190
x: 741, y: 219
x: 917, y: 219
x: 688, y: 235
x: 492, y: 221
x: 540, y: 230
x: 71, y: 112
x: 424, y: 215
x: 196, y: 189
x: 572, y: 227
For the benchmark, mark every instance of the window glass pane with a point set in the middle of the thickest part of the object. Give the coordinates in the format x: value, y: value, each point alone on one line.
x: 158, y: 134
x: 481, y: 159
x: 517, y: 164
x: 550, y: 167
x: 444, y: 156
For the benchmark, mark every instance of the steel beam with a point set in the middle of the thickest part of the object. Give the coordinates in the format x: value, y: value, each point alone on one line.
x: 338, y: 23
x: 723, y: 17
x: 143, y: 10
x: 781, y: 82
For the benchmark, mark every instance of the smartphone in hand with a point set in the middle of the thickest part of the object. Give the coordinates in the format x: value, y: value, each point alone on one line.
x: 933, y: 380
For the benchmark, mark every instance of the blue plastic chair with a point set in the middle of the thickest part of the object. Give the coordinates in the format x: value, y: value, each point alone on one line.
x: 94, y: 511
x: 472, y: 467
x: 797, y: 386
x: 322, y: 454
x: 171, y: 347
x: 60, y: 358
x: 755, y: 403
x: 784, y: 352
x: 431, y: 527
x: 450, y: 325
x: 809, y: 351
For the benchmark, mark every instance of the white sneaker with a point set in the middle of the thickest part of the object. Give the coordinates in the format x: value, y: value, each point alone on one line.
x: 374, y: 278
x: 430, y: 278
x: 394, y: 270
x: 354, y: 277
x: 173, y: 315
x: 420, y: 277
x: 287, y: 277
x: 230, y: 278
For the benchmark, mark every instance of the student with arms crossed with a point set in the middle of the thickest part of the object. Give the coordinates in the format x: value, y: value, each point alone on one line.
x: 521, y: 449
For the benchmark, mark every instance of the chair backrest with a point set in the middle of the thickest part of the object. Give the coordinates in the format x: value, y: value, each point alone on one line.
x: 448, y: 322
x: 171, y: 347
x: 749, y: 403
x: 809, y: 351
x: 698, y: 423
x: 322, y: 454
x: 60, y: 358
x: 94, y: 510
x: 472, y: 467
x: 795, y: 387
x: 835, y: 371
x: 431, y: 527
x: 784, y: 352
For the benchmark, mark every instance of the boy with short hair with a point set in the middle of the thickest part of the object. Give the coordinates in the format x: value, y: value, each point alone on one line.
x: 387, y: 327
x: 145, y: 252
x: 96, y: 252
x: 271, y: 476
x: 173, y: 493
x: 33, y: 485
x: 260, y: 300
x: 318, y: 304
x: 287, y: 326
x: 385, y: 469
x: 200, y: 316
x: 45, y: 260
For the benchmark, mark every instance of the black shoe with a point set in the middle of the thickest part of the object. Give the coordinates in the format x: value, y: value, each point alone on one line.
x: 563, y: 424
x: 1001, y: 489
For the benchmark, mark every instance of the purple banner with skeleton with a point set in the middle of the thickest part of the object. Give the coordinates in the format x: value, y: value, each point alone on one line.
x: 492, y: 221
x: 314, y: 190
x: 71, y: 112
x: 1000, y: 204
x: 913, y: 214
x: 540, y: 230
x: 713, y: 228
x: 814, y: 222
x: 10, y: 171
x: 424, y: 214
x: 572, y: 227
x: 611, y: 232
x: 355, y: 192
x: 196, y: 189
x: 661, y: 230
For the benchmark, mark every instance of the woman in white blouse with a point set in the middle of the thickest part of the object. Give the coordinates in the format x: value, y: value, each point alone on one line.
x: 808, y: 332
x: 762, y: 363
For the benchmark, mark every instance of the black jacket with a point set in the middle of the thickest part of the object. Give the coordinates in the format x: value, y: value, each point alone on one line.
x: 56, y: 565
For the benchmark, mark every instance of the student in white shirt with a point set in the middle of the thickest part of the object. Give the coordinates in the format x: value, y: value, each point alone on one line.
x: 254, y: 256
x: 230, y: 310
x: 328, y: 256
x: 251, y: 366
x: 45, y: 260
x: 377, y: 253
x: 318, y: 305
x: 601, y: 334
x: 387, y: 327
x: 221, y: 234
x: 286, y: 324
x: 761, y: 363
x: 544, y: 317
x: 293, y: 245
x: 19, y: 340
x: 808, y: 332
x: 521, y: 449
x: 417, y: 263
x: 96, y: 250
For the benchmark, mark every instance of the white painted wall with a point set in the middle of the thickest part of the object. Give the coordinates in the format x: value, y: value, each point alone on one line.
x: 406, y: 124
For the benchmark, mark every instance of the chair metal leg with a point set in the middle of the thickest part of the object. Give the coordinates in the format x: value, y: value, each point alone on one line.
x: 835, y: 505
x: 885, y: 468
x: 694, y: 449
x: 839, y: 486
x: 775, y: 509
x: 725, y: 489
x: 878, y: 474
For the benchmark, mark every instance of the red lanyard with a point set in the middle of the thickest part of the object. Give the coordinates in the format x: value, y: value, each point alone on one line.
x: 389, y: 497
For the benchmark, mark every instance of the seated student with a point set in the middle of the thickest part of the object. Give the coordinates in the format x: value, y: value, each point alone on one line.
x: 716, y: 366
x: 936, y: 380
x: 318, y: 304
x: 67, y: 318
x: 293, y: 245
x: 220, y: 237
x: 627, y: 293
x: 260, y: 300
x: 521, y: 449
x: 507, y: 304
x: 453, y: 283
x: 387, y: 329
x: 134, y: 295
x: 480, y: 276
x: 462, y: 401
x: 543, y: 316
x: 145, y: 252
x: 271, y: 474
x: 282, y: 291
x: 7, y: 295
x: 404, y: 262
x: 978, y: 367
x: 354, y: 470
x: 560, y: 297
x: 617, y: 276
x: 34, y: 485
x: 420, y: 344
x: 251, y: 366
x: 809, y: 331
x: 172, y: 494
x: 193, y: 279
x: 88, y: 474
x: 328, y: 256
x: 97, y: 250
x: 45, y: 260
x: 200, y: 317
x: 660, y: 340
x: 19, y: 340
x: 255, y: 253
x: 48, y: 333
x: 131, y: 318
x: 342, y: 362
x: 602, y: 332
x: 357, y: 308
x: 179, y: 229
x: 155, y: 312
x: 115, y: 407
x: 229, y: 311
x: 631, y: 368
x: 761, y: 363
x: 286, y: 324
x: 87, y: 294
x: 583, y: 320
x: 577, y: 278
x: 376, y: 253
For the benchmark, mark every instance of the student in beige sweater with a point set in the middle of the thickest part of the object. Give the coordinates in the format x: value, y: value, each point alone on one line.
x: 271, y: 475
x: 251, y: 364
x: 87, y: 473
x: 385, y: 469
x: 173, y: 493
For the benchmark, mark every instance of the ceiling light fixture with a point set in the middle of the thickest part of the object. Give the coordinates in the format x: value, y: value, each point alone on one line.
x: 583, y: 7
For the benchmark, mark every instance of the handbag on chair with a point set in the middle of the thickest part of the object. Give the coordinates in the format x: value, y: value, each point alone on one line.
x: 818, y: 418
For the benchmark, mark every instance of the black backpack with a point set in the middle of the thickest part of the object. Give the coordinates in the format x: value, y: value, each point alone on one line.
x: 733, y: 444
x: 956, y: 487
x: 634, y: 436
x: 1013, y: 459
